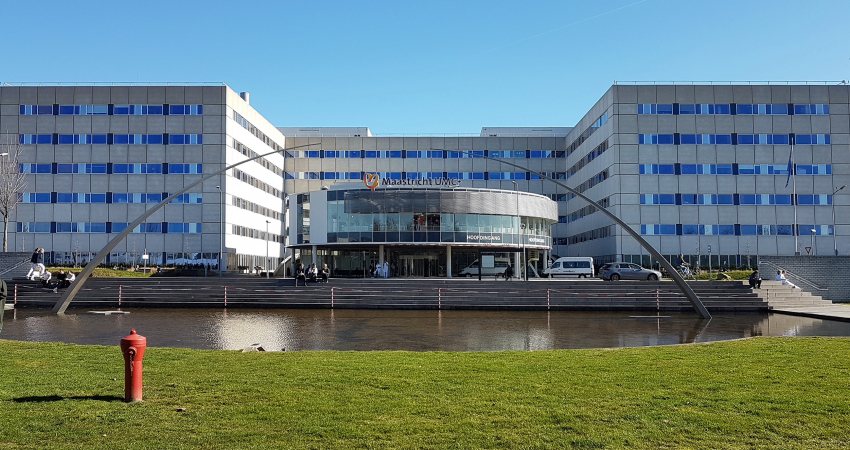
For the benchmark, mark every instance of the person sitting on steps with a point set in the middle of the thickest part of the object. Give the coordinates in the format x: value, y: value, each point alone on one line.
x: 300, y: 274
x: 755, y: 280
x: 325, y: 273
x: 312, y: 273
x: 780, y: 276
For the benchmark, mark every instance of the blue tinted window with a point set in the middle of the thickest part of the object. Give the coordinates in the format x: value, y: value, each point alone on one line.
x: 176, y: 228
x: 95, y: 198
x: 722, y: 139
x: 779, y: 139
x: 778, y: 108
x: 812, y: 139
x: 783, y: 230
x: 655, y: 139
x: 744, y: 108
x: 725, y: 199
x: 725, y: 229
x: 812, y: 109
x: 723, y: 108
x: 96, y: 168
x: 723, y: 169
x: 748, y: 230
x: 688, y: 139
x: 689, y: 229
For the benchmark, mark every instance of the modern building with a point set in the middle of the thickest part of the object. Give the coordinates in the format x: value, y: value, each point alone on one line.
x: 96, y: 157
x: 701, y: 170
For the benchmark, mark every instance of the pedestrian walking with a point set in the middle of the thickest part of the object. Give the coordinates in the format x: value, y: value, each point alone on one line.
x: 37, y: 261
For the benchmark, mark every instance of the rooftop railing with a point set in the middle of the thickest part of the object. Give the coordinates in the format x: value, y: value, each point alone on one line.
x: 111, y: 83
x: 728, y: 83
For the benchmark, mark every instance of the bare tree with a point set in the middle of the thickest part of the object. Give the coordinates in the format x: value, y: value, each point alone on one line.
x: 12, y: 184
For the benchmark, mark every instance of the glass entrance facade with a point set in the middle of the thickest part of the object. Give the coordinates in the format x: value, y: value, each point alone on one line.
x: 418, y: 232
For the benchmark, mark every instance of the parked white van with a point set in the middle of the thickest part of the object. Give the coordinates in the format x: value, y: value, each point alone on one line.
x: 500, y: 265
x: 579, y: 266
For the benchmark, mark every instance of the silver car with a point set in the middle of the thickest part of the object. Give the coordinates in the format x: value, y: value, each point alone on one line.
x: 627, y: 271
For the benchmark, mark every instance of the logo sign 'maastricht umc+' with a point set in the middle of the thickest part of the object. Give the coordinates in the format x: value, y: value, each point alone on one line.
x: 373, y: 180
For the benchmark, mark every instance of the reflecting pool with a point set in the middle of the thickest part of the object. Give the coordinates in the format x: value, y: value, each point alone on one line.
x: 323, y: 329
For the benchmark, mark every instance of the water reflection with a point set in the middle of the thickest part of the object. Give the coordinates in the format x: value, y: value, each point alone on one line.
x: 404, y: 330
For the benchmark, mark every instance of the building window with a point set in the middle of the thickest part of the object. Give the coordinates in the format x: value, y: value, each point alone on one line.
x: 185, y: 139
x: 657, y: 169
x: 655, y: 139
x: 815, y: 109
x: 812, y: 139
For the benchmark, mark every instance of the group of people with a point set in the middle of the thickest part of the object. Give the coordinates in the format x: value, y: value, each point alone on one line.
x: 380, y: 270
x: 755, y: 279
x: 311, y: 273
x: 37, y: 271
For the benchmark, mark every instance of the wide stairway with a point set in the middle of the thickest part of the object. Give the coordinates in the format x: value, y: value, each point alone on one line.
x: 779, y: 295
x: 393, y: 293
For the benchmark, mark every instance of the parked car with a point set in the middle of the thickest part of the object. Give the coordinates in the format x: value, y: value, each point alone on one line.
x: 627, y: 271
x: 580, y: 266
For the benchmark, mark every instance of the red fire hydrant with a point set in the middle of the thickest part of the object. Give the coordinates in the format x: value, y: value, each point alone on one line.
x: 133, y: 347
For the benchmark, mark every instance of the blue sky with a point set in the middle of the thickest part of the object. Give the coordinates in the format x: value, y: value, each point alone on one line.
x: 425, y: 66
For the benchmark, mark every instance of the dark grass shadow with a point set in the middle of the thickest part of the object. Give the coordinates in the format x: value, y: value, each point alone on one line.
x: 59, y: 398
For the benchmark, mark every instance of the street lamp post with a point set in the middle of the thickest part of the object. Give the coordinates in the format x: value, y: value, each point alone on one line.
x: 519, y: 225
x: 267, y: 248
x: 834, y: 225
x: 813, y: 231
x: 221, y: 230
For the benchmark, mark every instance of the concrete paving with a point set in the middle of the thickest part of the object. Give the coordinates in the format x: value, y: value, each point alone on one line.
x: 833, y: 312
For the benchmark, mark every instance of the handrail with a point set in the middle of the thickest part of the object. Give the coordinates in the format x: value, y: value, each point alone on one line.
x: 796, y: 276
x: 22, y: 262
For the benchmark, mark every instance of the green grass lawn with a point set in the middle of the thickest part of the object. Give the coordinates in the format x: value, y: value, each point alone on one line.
x: 757, y: 393
x: 104, y: 272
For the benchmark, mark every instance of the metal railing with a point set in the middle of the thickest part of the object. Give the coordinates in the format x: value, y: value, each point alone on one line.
x: 111, y: 83
x: 728, y: 83
x: 19, y: 264
x: 796, y: 277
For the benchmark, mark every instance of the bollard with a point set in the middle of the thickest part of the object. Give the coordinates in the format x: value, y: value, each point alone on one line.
x: 225, y: 296
x: 15, y: 302
x: 657, y: 302
x: 439, y: 298
x: 120, y: 294
x: 332, y: 298
x: 548, y: 301
x: 133, y: 347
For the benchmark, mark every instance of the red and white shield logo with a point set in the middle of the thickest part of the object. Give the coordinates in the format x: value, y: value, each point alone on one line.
x: 371, y: 180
